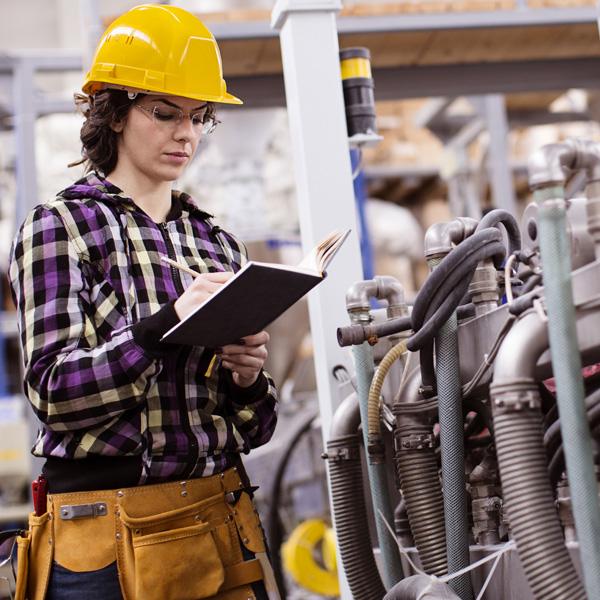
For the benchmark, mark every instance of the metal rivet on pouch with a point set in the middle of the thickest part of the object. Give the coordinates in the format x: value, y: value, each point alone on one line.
x: 65, y: 512
x: 235, y: 469
x: 118, y: 536
x: 241, y: 527
x: 183, y: 494
x: 230, y: 517
x: 222, y: 475
x: 137, y: 531
x: 235, y: 512
x: 183, y: 484
x: 50, y: 499
x: 118, y: 513
x: 197, y: 517
x: 49, y: 517
x: 119, y: 494
x: 50, y: 542
x: 246, y: 540
x: 241, y: 484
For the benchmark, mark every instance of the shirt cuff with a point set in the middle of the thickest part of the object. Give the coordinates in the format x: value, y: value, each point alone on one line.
x: 247, y: 395
x: 147, y: 333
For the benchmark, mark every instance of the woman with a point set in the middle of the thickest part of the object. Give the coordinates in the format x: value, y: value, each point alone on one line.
x: 146, y: 493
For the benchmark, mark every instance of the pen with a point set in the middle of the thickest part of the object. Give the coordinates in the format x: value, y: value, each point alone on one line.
x: 177, y: 265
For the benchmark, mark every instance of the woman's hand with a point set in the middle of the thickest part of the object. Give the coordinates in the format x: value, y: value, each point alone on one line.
x: 245, y: 359
x: 202, y: 287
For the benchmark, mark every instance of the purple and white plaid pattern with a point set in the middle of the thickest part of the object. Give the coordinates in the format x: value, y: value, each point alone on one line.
x: 84, y: 268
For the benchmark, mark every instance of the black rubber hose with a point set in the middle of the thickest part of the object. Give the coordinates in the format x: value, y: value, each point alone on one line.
x: 274, y: 528
x: 437, y: 315
x: 499, y: 215
x: 482, y: 410
x: 445, y: 287
x: 452, y: 266
x: 349, y: 507
x: 453, y: 277
x: 557, y: 462
x: 449, y: 296
x: 529, y: 285
x: 427, y: 367
x: 553, y: 436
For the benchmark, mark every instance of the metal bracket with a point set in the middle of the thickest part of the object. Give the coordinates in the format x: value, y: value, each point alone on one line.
x: 415, y: 442
x: 80, y: 511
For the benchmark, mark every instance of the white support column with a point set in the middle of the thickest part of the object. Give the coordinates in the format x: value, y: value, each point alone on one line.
x: 315, y: 103
x: 24, y: 113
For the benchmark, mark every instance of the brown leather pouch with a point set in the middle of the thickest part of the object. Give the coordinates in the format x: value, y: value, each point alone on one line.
x: 179, y: 545
x: 248, y: 523
x: 37, y: 551
x: 22, y: 566
x: 74, y: 535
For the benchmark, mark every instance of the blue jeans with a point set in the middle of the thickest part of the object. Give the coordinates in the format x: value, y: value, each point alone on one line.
x: 90, y: 585
x: 104, y: 584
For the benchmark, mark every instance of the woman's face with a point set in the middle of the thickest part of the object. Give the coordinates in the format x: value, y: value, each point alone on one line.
x: 147, y: 148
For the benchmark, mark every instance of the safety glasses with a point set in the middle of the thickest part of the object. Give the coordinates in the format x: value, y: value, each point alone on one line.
x: 8, y: 539
x: 169, y: 116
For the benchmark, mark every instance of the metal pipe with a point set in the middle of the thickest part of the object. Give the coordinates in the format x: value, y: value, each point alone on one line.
x: 382, y: 287
x: 528, y: 496
x: 346, y: 419
x: 440, y: 237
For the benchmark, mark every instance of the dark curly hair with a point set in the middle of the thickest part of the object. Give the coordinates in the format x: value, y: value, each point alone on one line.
x: 98, y: 139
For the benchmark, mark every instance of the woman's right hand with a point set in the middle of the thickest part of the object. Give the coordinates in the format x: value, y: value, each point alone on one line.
x: 202, y: 287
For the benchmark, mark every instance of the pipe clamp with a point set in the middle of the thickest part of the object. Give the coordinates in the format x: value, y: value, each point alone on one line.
x: 415, y: 442
x: 518, y: 401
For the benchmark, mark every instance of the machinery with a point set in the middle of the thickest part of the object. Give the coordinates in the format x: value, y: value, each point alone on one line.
x: 480, y: 407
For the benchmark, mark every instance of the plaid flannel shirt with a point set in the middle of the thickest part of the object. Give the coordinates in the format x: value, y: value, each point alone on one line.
x: 93, y: 299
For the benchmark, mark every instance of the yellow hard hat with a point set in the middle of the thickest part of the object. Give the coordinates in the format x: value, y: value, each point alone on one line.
x: 159, y: 49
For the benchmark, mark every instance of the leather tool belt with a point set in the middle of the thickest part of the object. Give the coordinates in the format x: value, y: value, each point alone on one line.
x: 179, y: 541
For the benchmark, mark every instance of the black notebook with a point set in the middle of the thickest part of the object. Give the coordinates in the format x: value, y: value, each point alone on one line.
x: 254, y: 298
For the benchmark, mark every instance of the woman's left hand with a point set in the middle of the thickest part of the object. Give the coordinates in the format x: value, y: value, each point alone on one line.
x: 246, y: 358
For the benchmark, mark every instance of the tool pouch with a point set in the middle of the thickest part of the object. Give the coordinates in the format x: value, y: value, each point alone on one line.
x: 178, y: 545
x: 22, y: 566
x: 171, y: 541
x: 34, y: 559
x: 189, y: 533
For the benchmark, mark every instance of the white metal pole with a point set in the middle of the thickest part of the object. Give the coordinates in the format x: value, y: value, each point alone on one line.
x: 323, y: 173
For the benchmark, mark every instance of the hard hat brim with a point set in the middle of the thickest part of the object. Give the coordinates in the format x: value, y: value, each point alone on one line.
x: 92, y: 87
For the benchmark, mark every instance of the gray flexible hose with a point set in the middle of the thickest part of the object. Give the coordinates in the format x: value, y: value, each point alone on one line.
x: 529, y: 501
x: 420, y: 481
x: 453, y: 456
x: 528, y: 495
x: 349, y: 508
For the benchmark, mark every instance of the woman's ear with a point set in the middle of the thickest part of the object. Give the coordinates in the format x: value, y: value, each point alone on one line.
x: 117, y: 126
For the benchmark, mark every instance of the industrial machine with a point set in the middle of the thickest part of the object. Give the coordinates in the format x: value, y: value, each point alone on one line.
x: 479, y: 407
